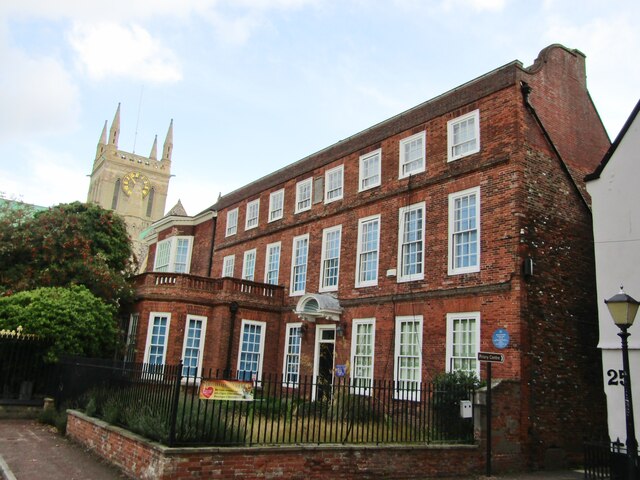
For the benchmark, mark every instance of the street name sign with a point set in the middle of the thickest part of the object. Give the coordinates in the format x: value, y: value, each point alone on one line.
x: 490, y: 357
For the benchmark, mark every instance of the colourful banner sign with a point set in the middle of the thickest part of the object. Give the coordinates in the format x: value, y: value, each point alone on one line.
x: 233, y: 390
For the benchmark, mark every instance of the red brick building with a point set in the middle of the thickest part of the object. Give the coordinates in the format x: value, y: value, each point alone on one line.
x: 397, y: 253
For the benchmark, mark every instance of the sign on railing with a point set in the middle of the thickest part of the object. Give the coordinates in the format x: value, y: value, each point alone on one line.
x: 234, y: 390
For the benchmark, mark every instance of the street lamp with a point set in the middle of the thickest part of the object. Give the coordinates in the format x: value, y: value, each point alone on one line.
x: 623, y: 310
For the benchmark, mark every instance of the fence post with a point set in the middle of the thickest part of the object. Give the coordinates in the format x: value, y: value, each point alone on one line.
x: 174, y: 405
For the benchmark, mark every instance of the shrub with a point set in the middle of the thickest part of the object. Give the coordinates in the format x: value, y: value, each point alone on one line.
x: 72, y: 320
x: 448, y: 390
x: 458, y: 379
x: 58, y: 419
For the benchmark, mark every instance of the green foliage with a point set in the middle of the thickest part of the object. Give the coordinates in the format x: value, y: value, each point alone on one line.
x: 69, y: 244
x: 449, y: 389
x: 75, y: 321
x: 148, y: 415
x: 457, y: 378
x: 344, y: 406
x: 51, y: 416
x: 355, y: 408
x: 147, y: 421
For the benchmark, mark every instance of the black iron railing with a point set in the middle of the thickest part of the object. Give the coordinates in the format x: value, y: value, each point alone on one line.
x: 24, y: 374
x: 605, y: 460
x: 159, y: 402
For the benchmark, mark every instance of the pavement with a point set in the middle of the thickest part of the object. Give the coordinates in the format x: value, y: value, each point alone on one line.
x: 30, y: 450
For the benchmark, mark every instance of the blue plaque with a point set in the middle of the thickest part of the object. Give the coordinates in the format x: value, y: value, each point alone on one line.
x: 500, y: 338
x: 341, y: 370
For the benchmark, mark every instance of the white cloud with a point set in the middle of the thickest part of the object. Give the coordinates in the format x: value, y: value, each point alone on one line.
x: 136, y: 9
x: 110, y: 50
x: 487, y: 4
x: 97, y: 27
x: 45, y: 177
x: 36, y: 95
x: 235, y: 30
x: 477, y: 5
x: 273, y: 4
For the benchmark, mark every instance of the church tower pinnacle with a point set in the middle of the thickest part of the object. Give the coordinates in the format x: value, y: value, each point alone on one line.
x: 154, y: 149
x: 102, y: 142
x: 168, y: 143
x: 115, y: 128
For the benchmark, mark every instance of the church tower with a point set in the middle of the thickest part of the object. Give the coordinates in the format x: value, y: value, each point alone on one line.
x: 132, y: 185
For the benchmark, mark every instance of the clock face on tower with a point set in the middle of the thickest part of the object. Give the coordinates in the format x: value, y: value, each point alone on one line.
x: 131, y: 179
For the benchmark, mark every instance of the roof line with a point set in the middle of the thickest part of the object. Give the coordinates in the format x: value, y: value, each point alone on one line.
x: 614, y: 146
x: 275, y: 177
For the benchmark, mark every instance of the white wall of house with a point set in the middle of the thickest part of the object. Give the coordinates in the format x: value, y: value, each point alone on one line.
x: 616, y: 226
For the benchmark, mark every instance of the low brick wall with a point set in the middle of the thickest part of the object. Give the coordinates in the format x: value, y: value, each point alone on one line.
x: 143, y: 459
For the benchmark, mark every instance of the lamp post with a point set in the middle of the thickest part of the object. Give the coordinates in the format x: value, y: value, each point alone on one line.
x: 623, y: 310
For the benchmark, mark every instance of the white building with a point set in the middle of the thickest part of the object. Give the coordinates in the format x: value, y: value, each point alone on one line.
x: 615, y: 191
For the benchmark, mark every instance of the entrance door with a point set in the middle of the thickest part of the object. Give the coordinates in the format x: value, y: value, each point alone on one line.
x: 323, y: 365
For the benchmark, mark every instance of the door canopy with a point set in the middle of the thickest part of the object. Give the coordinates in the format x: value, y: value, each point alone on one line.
x: 318, y: 305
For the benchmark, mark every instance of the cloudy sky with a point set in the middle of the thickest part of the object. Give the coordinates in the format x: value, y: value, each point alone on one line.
x: 253, y: 85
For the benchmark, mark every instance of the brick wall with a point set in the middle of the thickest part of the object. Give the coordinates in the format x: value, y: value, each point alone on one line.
x: 497, y: 310
x: 147, y: 460
x: 490, y: 169
x: 218, y: 331
x: 565, y: 395
x: 562, y: 101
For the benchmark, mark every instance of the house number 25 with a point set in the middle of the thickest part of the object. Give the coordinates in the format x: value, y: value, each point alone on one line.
x: 616, y: 377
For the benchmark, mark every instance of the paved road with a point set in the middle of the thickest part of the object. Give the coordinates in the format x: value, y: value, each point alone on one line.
x: 29, y: 450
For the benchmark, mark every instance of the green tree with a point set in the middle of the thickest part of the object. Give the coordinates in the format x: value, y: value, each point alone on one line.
x: 75, y: 321
x: 69, y: 244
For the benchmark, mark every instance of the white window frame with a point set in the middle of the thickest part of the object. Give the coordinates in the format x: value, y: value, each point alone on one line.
x: 228, y: 265
x: 263, y: 332
x: 170, y: 266
x: 162, y: 258
x: 364, y: 159
x: 200, y: 348
x: 187, y: 257
x: 471, y: 356
x: 150, y: 335
x: 252, y: 214
x: 300, y: 186
x: 249, y: 265
x: 359, y: 389
x: 360, y: 252
x: 132, y: 336
x: 399, y: 392
x: 268, y: 263
x: 232, y: 223
x: 401, y: 276
x: 453, y: 234
x: 406, y: 143
x: 451, y: 146
x: 334, y: 184
x: 294, y: 265
x: 292, y: 358
x: 276, y: 205
x: 324, y: 260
